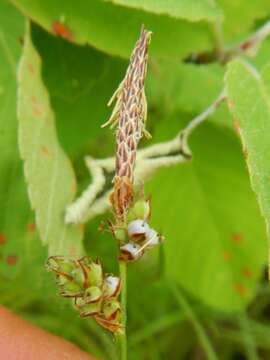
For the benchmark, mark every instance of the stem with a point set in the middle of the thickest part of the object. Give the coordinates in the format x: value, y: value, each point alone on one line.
x: 122, y: 338
x: 249, y: 46
x: 254, y: 40
x: 205, y: 114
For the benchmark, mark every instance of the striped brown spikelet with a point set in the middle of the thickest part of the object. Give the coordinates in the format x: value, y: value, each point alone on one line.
x: 130, y: 115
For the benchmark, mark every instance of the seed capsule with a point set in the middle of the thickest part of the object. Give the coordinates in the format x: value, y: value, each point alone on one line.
x: 111, y: 309
x: 152, y: 238
x: 137, y: 230
x: 111, y: 286
x: 130, y: 252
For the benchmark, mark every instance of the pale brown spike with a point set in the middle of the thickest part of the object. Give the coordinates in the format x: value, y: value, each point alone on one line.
x: 130, y: 115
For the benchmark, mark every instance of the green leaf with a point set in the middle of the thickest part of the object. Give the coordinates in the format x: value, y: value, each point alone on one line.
x: 171, y: 84
x: 49, y: 174
x: 194, y: 10
x: 91, y: 22
x: 241, y: 15
x: 249, y: 99
x: 215, y: 246
x: 80, y: 81
x: 19, y: 246
x: 174, y: 37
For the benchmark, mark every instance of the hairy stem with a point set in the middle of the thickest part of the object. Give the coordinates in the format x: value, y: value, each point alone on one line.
x: 122, y: 338
x: 204, y: 115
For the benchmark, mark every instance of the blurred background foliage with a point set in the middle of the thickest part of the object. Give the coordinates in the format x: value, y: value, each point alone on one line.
x: 204, y: 293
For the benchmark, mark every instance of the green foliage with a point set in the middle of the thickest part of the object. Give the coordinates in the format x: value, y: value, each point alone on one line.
x: 185, y: 84
x: 19, y: 247
x: 209, y: 205
x: 203, y: 286
x: 80, y: 81
x: 240, y: 16
x: 50, y: 177
x: 249, y: 100
x: 91, y: 22
x: 191, y: 10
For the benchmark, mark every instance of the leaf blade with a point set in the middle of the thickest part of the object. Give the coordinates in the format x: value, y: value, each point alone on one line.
x: 50, y: 177
x: 214, y: 244
x: 250, y: 105
x: 190, y: 10
x: 18, y: 239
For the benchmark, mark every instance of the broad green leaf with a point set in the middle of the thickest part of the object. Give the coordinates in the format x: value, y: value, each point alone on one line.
x: 194, y: 10
x: 19, y: 246
x: 189, y: 88
x: 249, y: 99
x: 115, y: 29
x: 215, y: 244
x: 192, y: 88
x: 80, y: 81
x: 241, y: 15
x: 48, y: 171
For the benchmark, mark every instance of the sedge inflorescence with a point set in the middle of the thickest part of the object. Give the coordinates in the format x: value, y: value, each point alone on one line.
x: 129, y: 115
x: 132, y: 210
x: 135, y: 236
x: 94, y: 293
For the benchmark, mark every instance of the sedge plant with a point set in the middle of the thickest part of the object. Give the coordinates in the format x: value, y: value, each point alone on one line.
x: 95, y: 294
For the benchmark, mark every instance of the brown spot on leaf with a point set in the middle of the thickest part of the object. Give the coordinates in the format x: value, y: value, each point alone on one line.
x: 236, y: 126
x: 62, y: 30
x: 81, y: 228
x: 226, y: 255
x: 33, y: 98
x: 12, y: 259
x: 230, y: 103
x: 44, y: 149
x: 246, y: 45
x: 240, y: 289
x: 237, y: 237
x: 245, y: 152
x: 36, y: 111
x: 247, y: 272
x: 31, y: 227
x: 3, y: 239
x: 31, y: 69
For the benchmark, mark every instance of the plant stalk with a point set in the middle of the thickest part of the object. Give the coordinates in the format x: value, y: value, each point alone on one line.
x: 122, y: 338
